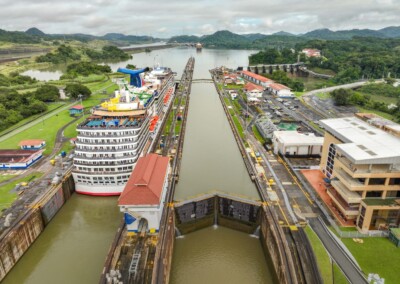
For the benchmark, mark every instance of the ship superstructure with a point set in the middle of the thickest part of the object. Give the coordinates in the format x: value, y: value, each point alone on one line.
x: 120, y: 130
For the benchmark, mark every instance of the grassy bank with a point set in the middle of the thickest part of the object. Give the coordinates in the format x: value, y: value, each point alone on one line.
x: 376, y: 255
x: 7, y: 197
x: 331, y: 274
x: 47, y: 128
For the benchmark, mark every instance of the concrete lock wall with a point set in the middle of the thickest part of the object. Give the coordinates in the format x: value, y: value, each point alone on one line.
x: 23, y: 232
x: 217, y: 210
x: 273, y: 248
x: 164, y: 250
x: 14, y: 244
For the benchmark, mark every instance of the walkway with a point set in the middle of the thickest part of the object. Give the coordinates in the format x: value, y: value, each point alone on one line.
x: 316, y: 179
x: 36, y: 121
x: 337, y: 252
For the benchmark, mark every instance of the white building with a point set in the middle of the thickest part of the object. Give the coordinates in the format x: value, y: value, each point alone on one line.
x: 142, y: 200
x: 253, y: 92
x: 19, y: 159
x: 280, y: 90
x: 293, y: 143
x: 311, y: 52
x: 257, y: 79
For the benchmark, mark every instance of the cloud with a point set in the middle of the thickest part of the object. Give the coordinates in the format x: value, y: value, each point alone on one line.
x: 160, y: 18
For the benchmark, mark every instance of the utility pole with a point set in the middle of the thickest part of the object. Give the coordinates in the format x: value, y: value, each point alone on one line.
x: 80, y: 98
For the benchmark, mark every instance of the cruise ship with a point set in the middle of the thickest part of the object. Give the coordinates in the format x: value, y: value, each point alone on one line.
x: 120, y: 130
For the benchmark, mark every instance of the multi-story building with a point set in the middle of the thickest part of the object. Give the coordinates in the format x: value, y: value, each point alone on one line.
x: 112, y: 139
x: 363, y: 165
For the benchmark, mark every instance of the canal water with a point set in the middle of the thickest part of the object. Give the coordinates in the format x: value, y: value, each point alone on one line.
x: 73, y: 247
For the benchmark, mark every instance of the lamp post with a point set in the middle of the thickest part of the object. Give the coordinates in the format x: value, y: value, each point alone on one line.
x: 80, y: 98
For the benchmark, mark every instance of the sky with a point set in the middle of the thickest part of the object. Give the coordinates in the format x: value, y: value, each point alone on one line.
x: 166, y: 18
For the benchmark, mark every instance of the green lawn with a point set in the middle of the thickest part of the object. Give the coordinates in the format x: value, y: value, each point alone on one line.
x: 234, y: 87
x: 46, y: 130
x: 5, y: 177
x: 386, y: 100
x: 383, y: 114
x: 238, y: 126
x: 50, y: 108
x: 377, y: 255
x: 258, y: 135
x: 323, y: 260
x: 7, y: 197
x: 323, y: 96
x: 70, y: 131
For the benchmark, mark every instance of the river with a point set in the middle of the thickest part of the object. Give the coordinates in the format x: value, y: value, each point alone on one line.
x: 73, y: 247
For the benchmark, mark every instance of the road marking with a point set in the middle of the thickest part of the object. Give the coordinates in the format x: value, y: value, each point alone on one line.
x: 283, y: 213
x: 287, y: 183
x: 296, y: 181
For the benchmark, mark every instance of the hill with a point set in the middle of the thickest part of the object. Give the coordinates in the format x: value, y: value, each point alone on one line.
x: 35, y: 31
x: 18, y: 37
x: 391, y: 32
x: 345, y: 34
x: 184, y: 39
x: 225, y: 39
x: 254, y: 37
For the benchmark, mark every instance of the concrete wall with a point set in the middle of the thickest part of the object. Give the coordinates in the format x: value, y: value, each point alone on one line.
x: 276, y: 249
x: 17, y: 241
x: 165, y: 248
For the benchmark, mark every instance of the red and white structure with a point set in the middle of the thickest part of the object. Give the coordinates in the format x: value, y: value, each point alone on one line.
x: 19, y: 159
x: 256, y: 79
x: 253, y: 92
x: 33, y: 144
x: 280, y: 90
x: 142, y: 200
x: 311, y: 52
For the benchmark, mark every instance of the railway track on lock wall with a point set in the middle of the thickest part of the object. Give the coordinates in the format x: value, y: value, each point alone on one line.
x: 167, y: 216
x: 294, y: 239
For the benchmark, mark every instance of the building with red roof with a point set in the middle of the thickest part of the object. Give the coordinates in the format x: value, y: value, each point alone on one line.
x: 142, y: 200
x: 78, y: 109
x: 32, y: 144
x: 253, y: 92
x: 257, y: 79
x: 18, y: 159
x: 311, y: 52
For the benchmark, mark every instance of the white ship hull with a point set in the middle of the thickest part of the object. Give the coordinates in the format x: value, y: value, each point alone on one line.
x: 106, y: 154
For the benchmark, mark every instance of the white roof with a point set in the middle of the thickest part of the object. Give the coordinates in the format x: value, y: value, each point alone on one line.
x: 289, y: 138
x: 363, y: 143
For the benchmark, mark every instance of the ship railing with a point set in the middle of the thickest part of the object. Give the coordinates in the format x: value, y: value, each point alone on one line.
x: 90, y: 150
x: 77, y: 156
x: 102, y: 172
x: 84, y: 163
x: 83, y: 126
x: 106, y: 142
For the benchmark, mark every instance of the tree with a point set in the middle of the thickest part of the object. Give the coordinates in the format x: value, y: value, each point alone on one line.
x: 47, y: 93
x: 341, y: 97
x: 390, y: 81
x: 130, y: 66
x: 74, y: 90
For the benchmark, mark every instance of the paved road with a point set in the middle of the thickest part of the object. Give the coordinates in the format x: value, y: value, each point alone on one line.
x: 345, y: 86
x: 36, y: 121
x: 348, y: 267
